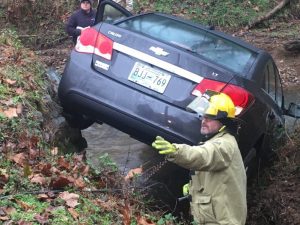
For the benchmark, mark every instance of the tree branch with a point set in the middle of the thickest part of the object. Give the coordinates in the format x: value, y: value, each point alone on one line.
x: 281, y: 5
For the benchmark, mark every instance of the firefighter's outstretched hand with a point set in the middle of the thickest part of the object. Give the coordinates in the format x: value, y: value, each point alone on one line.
x: 164, y: 147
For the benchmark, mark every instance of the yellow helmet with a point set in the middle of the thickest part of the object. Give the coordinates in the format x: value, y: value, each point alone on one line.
x: 214, y: 105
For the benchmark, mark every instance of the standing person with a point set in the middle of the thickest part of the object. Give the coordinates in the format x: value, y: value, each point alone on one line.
x: 81, y: 19
x: 218, y: 179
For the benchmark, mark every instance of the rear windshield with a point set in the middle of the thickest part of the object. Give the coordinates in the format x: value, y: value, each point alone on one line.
x: 193, y: 39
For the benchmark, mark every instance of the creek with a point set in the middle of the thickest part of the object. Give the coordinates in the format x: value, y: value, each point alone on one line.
x: 166, y: 179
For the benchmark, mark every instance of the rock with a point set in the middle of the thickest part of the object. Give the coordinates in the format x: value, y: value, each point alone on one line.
x: 292, y: 46
x: 56, y: 128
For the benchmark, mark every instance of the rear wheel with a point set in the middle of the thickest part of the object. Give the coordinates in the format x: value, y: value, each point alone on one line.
x: 77, y: 120
x: 264, y: 155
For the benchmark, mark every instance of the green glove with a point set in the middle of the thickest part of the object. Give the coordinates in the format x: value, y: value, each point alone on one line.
x: 163, y: 146
x: 185, y: 189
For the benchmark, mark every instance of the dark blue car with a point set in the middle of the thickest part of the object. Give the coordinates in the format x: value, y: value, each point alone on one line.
x: 138, y: 73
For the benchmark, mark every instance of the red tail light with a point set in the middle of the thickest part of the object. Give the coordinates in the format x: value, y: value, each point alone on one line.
x: 92, y: 42
x: 240, y: 97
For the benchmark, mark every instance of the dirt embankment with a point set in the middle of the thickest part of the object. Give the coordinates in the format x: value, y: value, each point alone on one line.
x: 272, y: 39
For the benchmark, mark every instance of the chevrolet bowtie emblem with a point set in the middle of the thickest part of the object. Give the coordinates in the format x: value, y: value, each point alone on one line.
x: 158, y: 51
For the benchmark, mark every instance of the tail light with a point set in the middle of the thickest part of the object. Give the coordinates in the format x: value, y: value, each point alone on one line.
x: 240, y: 97
x: 92, y: 42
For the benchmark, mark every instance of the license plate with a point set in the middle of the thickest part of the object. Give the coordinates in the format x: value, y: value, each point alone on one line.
x: 149, y: 77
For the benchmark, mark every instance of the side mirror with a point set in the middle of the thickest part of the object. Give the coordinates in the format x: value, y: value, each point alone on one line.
x: 293, y: 110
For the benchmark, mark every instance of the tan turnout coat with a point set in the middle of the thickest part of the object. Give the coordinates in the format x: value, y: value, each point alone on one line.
x: 218, y: 187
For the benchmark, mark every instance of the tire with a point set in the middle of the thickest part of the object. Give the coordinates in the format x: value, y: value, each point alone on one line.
x: 78, y: 121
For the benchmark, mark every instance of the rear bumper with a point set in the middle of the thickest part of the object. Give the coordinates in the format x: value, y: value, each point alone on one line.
x: 131, y: 111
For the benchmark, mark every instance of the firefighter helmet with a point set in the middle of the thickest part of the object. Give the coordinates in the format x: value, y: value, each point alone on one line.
x: 214, y: 105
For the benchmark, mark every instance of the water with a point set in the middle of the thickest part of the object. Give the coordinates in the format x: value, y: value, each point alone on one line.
x: 127, y: 152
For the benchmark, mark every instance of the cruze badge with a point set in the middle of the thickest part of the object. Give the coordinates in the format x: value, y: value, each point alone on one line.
x: 115, y: 34
x: 158, y: 51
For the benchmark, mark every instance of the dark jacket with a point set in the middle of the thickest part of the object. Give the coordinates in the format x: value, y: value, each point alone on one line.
x: 79, y: 19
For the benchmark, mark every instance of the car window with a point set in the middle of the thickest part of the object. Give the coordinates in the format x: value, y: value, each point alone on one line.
x: 111, y: 14
x: 191, y: 38
x: 278, y: 89
x: 272, y: 83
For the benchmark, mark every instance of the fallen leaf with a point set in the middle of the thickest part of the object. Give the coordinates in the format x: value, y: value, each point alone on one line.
x: 4, y: 218
x: 10, y: 113
x: 8, y: 102
x: 53, y: 169
x: 33, y: 153
x: 3, y: 178
x: 42, y: 219
x: 79, y: 183
x: 132, y: 173
x: 19, y: 109
x: 85, y: 170
x: 9, y: 81
x: 54, y: 151
x: 70, y: 198
x: 24, y: 205
x: 45, y: 169
x: 59, y: 182
x: 73, y: 212
x: 143, y: 221
x: 19, y: 91
x: 106, y: 205
x: 63, y: 163
x: 38, y: 179
x: 126, y: 214
x: 22, y: 222
x: 256, y: 8
x: 78, y: 158
x: 10, y: 210
x: 43, y: 197
x: 20, y: 158
x: 2, y: 212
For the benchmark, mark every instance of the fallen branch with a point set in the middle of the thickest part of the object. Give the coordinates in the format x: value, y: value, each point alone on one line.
x: 281, y: 5
x: 27, y: 36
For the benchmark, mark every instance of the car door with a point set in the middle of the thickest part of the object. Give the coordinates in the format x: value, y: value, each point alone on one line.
x: 109, y: 11
x: 273, y: 87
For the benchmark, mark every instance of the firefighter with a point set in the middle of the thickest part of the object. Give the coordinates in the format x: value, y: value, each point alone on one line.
x: 218, y: 179
x: 81, y: 19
